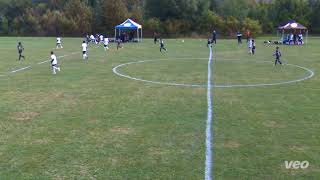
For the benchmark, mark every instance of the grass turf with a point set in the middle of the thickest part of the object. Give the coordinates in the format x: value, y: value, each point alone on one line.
x: 86, y: 122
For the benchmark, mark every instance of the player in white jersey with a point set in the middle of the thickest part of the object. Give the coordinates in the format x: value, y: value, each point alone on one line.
x: 54, y: 63
x: 84, y: 50
x: 59, y: 43
x: 101, y: 39
x: 106, y: 43
x: 92, y: 38
x: 250, y: 45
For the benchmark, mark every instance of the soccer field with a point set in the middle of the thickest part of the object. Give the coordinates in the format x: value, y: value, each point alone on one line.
x: 87, y: 122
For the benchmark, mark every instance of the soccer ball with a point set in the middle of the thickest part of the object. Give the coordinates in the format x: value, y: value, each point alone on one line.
x: 183, y: 41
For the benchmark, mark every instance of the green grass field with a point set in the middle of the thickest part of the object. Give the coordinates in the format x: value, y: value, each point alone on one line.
x: 88, y: 123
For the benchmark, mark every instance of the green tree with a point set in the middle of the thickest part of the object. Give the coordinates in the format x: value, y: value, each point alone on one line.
x: 212, y: 21
x: 116, y: 12
x: 235, y: 8
x: 4, y: 25
x: 252, y: 25
x: 315, y: 20
x: 283, y: 10
x: 232, y: 25
x: 81, y: 16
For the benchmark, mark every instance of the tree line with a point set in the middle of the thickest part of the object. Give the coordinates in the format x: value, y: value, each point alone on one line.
x: 168, y: 17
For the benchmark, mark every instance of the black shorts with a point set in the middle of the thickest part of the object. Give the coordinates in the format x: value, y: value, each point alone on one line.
x: 105, y: 45
x: 20, y: 51
x: 84, y: 52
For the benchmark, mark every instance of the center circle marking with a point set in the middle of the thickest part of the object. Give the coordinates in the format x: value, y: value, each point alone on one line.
x: 116, y: 71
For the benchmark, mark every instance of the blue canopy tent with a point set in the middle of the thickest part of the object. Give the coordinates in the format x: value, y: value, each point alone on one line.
x: 129, y: 25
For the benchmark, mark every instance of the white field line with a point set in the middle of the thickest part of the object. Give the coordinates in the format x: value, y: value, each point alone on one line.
x: 208, y: 164
x: 42, y: 62
x: 308, y: 76
x: 45, y: 61
x: 21, y: 69
x: 115, y: 70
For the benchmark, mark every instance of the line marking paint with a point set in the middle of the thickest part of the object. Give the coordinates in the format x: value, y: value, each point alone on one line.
x: 42, y: 62
x: 308, y: 76
x: 45, y: 61
x: 208, y: 164
x: 21, y: 69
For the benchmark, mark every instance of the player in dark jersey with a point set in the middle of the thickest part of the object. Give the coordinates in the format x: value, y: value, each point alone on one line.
x: 253, y: 46
x: 214, y: 37
x: 239, y: 36
x: 119, y: 44
x: 277, y: 54
x: 209, y: 43
x: 20, y: 51
x: 155, y: 36
x: 87, y: 38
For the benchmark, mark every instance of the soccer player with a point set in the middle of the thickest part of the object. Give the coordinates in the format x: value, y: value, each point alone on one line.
x: 106, y: 43
x: 209, y: 43
x: 239, y: 36
x: 20, y: 50
x: 101, y: 39
x: 59, y: 44
x: 248, y: 35
x: 162, y: 46
x: 291, y: 42
x: 155, y: 36
x: 214, y: 37
x: 87, y: 38
x: 92, y: 38
x: 84, y: 50
x: 119, y: 44
x: 300, y: 39
x: 277, y: 54
x: 250, y: 45
x: 253, y: 47
x: 97, y: 39
x: 54, y: 63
